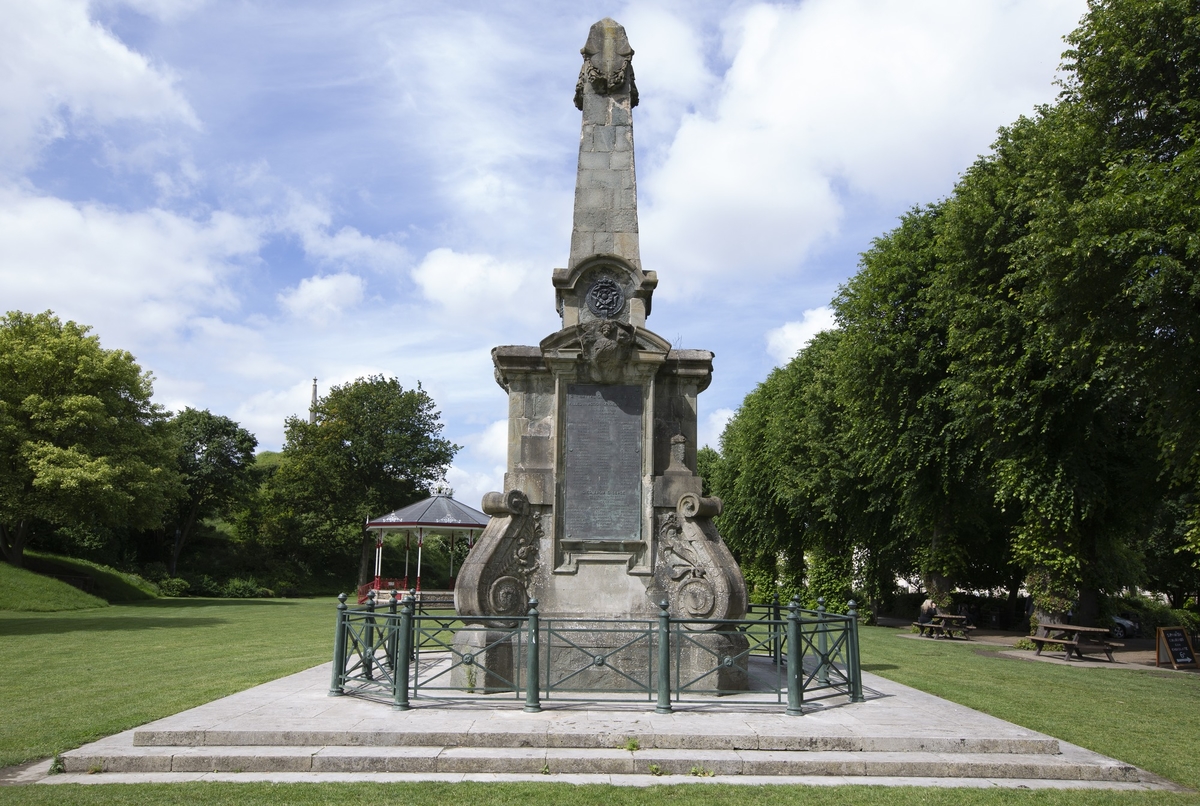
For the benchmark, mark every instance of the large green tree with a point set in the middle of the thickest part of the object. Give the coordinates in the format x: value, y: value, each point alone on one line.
x: 80, y: 440
x: 216, y: 466
x: 893, y: 367
x: 1131, y: 271
x: 372, y: 447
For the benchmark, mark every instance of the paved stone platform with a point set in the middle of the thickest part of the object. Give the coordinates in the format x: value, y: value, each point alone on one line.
x: 291, y: 730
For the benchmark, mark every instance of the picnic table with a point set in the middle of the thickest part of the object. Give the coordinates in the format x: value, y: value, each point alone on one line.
x: 1074, y: 638
x: 945, y: 625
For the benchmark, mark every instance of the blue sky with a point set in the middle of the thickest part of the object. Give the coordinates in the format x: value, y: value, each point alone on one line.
x: 247, y: 194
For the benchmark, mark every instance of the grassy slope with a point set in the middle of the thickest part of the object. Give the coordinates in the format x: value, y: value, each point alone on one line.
x: 26, y: 591
x: 100, y: 672
x: 107, y: 583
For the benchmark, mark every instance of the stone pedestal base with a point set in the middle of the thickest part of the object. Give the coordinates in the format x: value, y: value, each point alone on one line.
x: 492, y: 661
x: 578, y: 659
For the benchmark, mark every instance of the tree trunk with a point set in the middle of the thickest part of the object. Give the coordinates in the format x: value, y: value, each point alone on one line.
x: 1014, y: 592
x: 1087, y: 611
x: 937, y: 586
x: 181, y: 536
x: 12, y: 543
x: 366, y: 566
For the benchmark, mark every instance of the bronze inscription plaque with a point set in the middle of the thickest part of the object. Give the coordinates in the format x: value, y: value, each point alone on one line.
x: 602, y: 494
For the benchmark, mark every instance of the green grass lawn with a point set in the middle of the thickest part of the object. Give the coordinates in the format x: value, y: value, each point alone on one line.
x: 108, y: 584
x: 1147, y: 717
x: 23, y: 590
x: 67, y: 678
x: 71, y: 678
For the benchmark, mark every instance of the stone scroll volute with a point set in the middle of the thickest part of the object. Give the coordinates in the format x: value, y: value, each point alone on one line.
x: 694, y: 566
x: 497, y: 577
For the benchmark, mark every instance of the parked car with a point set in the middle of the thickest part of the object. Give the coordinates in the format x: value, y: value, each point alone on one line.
x: 1124, y: 627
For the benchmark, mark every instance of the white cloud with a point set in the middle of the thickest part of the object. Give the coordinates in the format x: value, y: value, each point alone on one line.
x: 480, y: 466
x: 710, y: 427
x: 890, y: 101
x: 59, y: 70
x: 480, y: 289
x: 491, y: 444
x: 346, y: 248
x: 322, y: 298
x: 784, y: 342
x: 134, y: 276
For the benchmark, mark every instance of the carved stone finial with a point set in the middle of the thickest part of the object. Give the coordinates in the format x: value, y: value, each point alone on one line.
x: 605, y: 189
x: 606, y: 62
x: 678, y: 463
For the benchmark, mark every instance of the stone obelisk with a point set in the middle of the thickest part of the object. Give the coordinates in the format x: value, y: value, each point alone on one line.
x: 602, y: 514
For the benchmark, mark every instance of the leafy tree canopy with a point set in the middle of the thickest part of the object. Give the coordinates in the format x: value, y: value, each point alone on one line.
x: 216, y: 465
x: 80, y: 439
x: 372, y: 447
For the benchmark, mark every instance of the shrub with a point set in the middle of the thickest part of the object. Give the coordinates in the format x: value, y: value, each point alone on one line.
x: 247, y: 588
x: 204, y: 585
x: 155, y: 572
x: 1150, y: 613
x: 173, y: 586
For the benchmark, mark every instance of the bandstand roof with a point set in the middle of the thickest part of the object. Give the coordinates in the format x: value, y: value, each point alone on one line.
x: 438, y: 511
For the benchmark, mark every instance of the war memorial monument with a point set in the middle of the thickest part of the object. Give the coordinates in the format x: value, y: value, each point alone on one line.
x: 602, y: 514
x: 603, y: 528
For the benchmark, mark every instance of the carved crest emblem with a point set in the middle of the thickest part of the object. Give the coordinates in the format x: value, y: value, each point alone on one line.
x: 607, y: 347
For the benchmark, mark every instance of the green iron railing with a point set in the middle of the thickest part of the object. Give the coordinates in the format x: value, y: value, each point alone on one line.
x: 400, y: 651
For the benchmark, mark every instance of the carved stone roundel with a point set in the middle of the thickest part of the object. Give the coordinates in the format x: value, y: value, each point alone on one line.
x: 698, y: 597
x: 507, y: 596
x: 605, y: 298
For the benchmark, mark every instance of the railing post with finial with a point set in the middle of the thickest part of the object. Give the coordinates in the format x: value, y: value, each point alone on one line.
x: 403, y: 653
x: 393, y: 636
x: 664, y: 658
x: 336, y: 688
x: 795, y: 661
x: 822, y: 643
x: 368, y: 653
x: 533, y: 703
x: 776, y: 631
x: 853, y: 663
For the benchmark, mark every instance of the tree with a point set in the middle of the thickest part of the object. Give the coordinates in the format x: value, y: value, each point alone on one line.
x: 80, y: 440
x: 374, y: 447
x: 216, y: 466
x: 893, y: 366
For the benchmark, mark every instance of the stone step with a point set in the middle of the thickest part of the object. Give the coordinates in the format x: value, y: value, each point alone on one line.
x: 397, y: 736
x: 1067, y: 766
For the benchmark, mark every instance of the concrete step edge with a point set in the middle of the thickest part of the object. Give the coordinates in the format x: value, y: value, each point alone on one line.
x: 593, y: 740
x: 428, y: 759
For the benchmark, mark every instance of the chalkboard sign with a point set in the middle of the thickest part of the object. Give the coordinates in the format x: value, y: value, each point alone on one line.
x: 1174, y: 645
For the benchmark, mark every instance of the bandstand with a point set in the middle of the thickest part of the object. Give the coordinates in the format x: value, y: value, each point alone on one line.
x: 439, y: 514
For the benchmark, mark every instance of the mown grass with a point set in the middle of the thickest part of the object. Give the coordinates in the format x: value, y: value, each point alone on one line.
x: 108, y: 584
x: 23, y: 590
x: 523, y: 794
x: 69, y: 678
x: 1147, y: 717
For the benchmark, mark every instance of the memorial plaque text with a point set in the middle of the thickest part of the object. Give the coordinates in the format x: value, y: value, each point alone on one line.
x: 603, y: 478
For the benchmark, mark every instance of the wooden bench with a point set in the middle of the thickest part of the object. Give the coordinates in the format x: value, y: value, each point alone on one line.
x: 964, y: 629
x: 934, y: 630
x: 1074, y: 638
x: 945, y: 625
